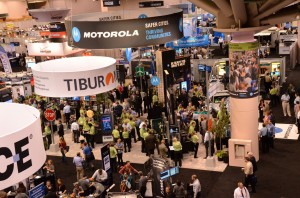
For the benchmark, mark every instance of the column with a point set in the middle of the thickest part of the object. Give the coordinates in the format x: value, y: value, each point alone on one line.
x: 244, y: 70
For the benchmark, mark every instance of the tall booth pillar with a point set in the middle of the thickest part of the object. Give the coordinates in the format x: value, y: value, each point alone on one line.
x: 244, y: 69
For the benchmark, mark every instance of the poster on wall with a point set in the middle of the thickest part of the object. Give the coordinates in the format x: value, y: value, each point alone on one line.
x: 124, y: 29
x: 243, y: 77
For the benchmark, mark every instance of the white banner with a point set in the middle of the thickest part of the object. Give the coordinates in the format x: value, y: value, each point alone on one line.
x: 50, y: 49
x: 22, y: 150
x: 78, y: 76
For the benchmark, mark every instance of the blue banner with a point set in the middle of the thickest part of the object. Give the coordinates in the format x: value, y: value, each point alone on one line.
x: 198, y: 41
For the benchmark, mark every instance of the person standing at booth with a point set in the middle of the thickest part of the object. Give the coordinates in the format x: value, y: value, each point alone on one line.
x: 47, y: 133
x: 127, y: 142
x: 116, y: 134
x: 81, y: 121
x: 67, y: 113
x: 195, y: 141
x: 177, y: 152
x: 86, y: 132
x: 142, y: 131
x: 92, y: 134
x: 208, y: 138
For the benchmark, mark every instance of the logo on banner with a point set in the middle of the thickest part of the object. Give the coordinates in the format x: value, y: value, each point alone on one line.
x: 82, y: 84
x: 155, y: 81
x: 143, y: 16
x: 76, y: 34
x: 17, y: 157
x: 180, y: 24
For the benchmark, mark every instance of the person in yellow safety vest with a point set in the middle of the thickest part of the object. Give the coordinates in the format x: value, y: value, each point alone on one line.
x: 133, y: 128
x: 192, y: 128
x: 116, y: 134
x: 154, y: 99
x: 81, y: 122
x: 127, y: 141
x: 82, y: 111
x: 113, y: 157
x: 195, y: 140
x: 142, y: 131
x: 92, y: 133
x: 47, y: 133
x: 86, y: 132
x: 177, y: 151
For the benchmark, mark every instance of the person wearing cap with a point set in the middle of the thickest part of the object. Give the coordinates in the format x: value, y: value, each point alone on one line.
x: 177, y: 151
x: 195, y: 141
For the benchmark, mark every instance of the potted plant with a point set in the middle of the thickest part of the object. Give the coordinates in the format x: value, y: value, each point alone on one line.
x: 220, y: 126
x: 220, y: 155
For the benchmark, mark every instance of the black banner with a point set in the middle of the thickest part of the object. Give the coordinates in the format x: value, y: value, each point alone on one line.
x: 126, y: 33
x: 57, y: 27
x: 111, y: 3
x: 151, y: 4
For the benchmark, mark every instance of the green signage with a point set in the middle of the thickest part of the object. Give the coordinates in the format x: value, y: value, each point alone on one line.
x: 139, y: 71
x: 243, y: 46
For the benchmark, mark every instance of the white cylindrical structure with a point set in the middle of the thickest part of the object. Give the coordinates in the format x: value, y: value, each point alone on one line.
x: 22, y: 150
x: 244, y: 70
x: 77, y: 76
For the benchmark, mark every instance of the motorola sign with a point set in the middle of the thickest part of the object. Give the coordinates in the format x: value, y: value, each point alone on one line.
x: 78, y: 76
x: 131, y: 29
x: 22, y: 150
x: 155, y: 81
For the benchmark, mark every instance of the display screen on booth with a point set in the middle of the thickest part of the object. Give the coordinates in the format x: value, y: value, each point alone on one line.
x: 106, y: 124
x: 174, y: 171
x: 165, y: 174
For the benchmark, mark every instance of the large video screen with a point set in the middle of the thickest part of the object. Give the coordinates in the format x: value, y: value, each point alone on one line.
x: 106, y: 123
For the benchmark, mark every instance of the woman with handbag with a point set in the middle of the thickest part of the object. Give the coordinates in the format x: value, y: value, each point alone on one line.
x: 63, y: 148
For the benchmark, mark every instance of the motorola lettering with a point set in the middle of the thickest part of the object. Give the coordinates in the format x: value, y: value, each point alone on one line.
x: 18, y: 157
x: 113, y: 34
x: 82, y: 84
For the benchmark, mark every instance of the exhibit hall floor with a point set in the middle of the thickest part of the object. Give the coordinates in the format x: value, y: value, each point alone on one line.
x: 136, y: 156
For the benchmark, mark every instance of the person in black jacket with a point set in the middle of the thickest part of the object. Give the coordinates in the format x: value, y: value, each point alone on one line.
x: 253, y: 161
x: 150, y: 143
x: 138, y: 104
x: 60, y: 132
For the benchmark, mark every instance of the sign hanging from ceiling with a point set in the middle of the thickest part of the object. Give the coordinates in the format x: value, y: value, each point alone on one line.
x: 22, y: 150
x: 72, y: 77
x: 123, y: 29
x: 111, y: 3
x: 49, y: 14
x: 151, y: 4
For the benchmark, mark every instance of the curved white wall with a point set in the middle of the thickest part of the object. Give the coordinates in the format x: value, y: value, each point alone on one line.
x: 15, y: 8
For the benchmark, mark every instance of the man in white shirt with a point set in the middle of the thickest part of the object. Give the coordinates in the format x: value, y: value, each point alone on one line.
x: 75, y: 130
x: 126, y: 125
x: 208, y: 137
x: 67, y: 113
x: 100, y: 176
x: 196, y: 187
x: 241, y: 191
x: 285, y: 101
x: 142, y: 123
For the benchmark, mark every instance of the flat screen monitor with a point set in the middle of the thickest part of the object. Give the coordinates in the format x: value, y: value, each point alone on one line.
x: 174, y: 129
x: 184, y: 85
x: 106, y: 123
x: 87, y: 98
x: 201, y: 67
x: 174, y: 171
x: 165, y: 174
x: 76, y: 98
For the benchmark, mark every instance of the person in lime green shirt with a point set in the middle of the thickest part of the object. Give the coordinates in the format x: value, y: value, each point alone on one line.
x: 92, y: 134
x: 116, y: 134
x: 81, y: 121
x: 177, y: 151
x: 192, y: 128
x: 142, y: 131
x: 86, y: 132
x: 47, y: 133
x: 127, y: 141
x: 113, y: 157
x: 195, y: 140
x: 154, y: 99
x: 82, y: 111
x: 145, y: 135
x: 133, y: 128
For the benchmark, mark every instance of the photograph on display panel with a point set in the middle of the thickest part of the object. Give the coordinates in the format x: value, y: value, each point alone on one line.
x: 244, y: 70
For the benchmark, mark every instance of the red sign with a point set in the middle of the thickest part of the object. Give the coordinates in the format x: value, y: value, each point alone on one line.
x: 49, y: 114
x: 58, y: 34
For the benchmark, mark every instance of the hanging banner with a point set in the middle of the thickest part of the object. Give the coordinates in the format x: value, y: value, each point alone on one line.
x: 49, y: 14
x: 243, y: 77
x: 198, y: 41
x: 5, y: 61
x: 124, y: 29
x: 77, y: 76
x: 22, y: 149
x: 111, y: 3
x: 151, y: 4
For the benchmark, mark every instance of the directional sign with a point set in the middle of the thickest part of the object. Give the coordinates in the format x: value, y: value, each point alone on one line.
x: 155, y: 81
x: 139, y: 71
x: 49, y: 115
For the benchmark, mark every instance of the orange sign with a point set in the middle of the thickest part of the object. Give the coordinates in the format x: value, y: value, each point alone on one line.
x: 44, y: 33
x: 58, y: 34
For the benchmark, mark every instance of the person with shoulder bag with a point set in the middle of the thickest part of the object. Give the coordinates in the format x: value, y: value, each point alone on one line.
x: 63, y: 148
